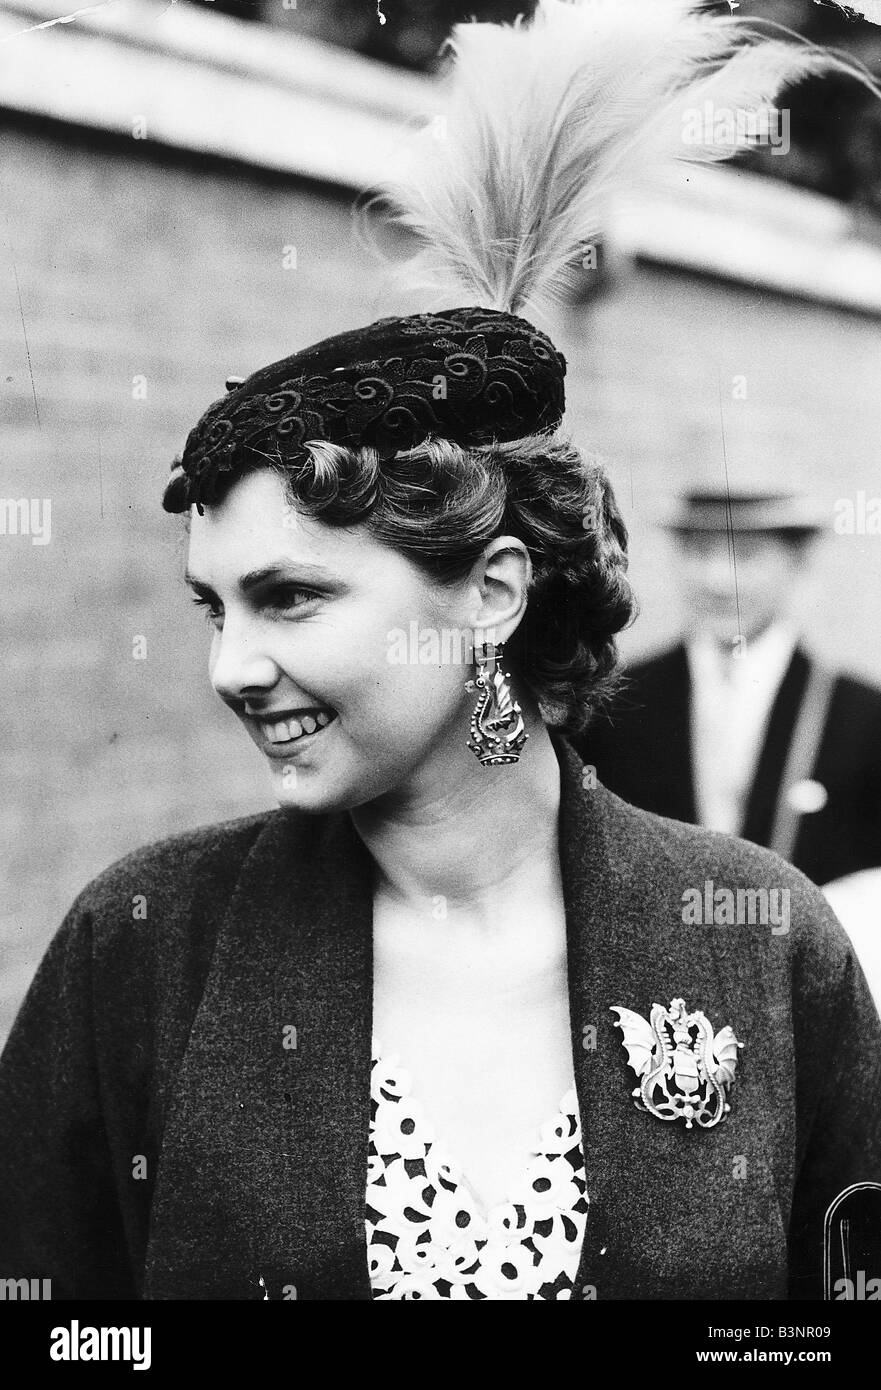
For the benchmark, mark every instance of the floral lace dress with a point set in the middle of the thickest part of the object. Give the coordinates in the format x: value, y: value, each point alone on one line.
x: 427, y: 1236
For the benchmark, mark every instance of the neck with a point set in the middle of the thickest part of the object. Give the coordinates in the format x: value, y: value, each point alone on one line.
x: 467, y: 837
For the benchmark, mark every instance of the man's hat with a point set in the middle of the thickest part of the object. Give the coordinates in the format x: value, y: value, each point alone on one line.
x: 711, y: 508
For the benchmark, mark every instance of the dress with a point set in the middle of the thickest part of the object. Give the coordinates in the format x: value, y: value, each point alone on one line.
x: 427, y: 1235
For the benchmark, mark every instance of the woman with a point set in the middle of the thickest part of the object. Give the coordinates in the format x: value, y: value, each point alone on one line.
x: 349, y: 1048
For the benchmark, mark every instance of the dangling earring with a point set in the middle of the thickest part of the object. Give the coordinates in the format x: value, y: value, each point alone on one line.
x: 497, y: 729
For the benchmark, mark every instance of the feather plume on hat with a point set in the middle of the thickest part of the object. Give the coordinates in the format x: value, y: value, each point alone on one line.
x: 546, y: 121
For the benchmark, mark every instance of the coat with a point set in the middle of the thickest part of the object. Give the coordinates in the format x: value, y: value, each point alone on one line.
x: 642, y: 749
x: 160, y: 1140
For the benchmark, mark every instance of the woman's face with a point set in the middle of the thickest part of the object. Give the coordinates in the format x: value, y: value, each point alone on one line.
x: 329, y: 628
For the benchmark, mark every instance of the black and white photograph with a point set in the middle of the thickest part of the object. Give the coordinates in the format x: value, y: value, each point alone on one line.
x: 440, y: 539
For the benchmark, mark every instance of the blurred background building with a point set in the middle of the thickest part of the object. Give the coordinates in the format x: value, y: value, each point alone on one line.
x: 177, y: 188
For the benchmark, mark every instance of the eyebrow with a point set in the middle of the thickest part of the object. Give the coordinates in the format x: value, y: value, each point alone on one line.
x: 279, y: 570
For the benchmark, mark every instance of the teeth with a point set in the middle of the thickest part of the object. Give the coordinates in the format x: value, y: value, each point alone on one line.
x: 286, y: 730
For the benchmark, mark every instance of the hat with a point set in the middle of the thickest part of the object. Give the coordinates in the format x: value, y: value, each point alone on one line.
x: 545, y: 124
x: 467, y: 375
x: 710, y: 508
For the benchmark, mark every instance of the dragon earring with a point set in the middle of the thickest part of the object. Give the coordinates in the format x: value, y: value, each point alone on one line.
x: 497, y: 729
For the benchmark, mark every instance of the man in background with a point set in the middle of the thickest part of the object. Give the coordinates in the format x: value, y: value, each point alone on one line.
x: 737, y: 727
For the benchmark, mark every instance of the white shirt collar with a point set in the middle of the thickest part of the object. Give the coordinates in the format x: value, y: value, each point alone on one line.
x: 731, y: 700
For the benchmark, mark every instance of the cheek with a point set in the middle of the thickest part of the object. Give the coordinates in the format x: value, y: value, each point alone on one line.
x: 395, y: 692
x: 383, y: 666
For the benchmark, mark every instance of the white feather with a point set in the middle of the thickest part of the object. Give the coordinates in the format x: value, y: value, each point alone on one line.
x: 545, y: 123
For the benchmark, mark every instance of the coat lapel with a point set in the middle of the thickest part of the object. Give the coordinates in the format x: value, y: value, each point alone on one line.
x: 656, y: 1190
x: 766, y: 784
x: 260, y: 1191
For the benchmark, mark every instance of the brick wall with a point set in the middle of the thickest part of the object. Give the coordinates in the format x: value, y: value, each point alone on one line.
x: 121, y: 263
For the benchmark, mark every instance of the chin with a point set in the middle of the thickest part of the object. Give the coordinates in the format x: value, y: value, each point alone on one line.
x: 310, y: 791
x: 722, y: 629
x: 322, y: 790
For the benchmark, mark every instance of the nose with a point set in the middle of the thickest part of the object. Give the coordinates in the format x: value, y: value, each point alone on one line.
x: 240, y: 666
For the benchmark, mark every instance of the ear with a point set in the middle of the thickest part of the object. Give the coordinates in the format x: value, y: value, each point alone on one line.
x: 499, y: 588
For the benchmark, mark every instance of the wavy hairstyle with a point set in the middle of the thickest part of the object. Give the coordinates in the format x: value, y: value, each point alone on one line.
x: 439, y: 504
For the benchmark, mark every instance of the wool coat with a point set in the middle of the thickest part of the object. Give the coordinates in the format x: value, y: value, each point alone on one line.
x: 642, y: 750
x: 165, y: 1135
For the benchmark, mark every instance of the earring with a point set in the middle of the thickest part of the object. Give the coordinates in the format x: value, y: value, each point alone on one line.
x: 497, y: 729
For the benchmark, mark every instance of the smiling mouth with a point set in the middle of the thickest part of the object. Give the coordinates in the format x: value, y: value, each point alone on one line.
x: 281, y: 733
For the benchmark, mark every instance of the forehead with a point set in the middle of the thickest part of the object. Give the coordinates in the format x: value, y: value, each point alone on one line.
x: 254, y: 525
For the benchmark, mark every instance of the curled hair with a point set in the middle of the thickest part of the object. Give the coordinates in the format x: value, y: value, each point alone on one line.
x: 439, y: 504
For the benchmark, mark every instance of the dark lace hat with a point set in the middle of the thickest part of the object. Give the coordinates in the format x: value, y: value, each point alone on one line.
x: 468, y: 375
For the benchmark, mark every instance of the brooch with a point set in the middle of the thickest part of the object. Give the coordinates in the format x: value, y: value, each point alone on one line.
x: 684, y: 1069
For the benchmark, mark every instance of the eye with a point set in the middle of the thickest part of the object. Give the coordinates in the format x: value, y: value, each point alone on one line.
x: 286, y: 596
x: 212, y: 615
x: 280, y: 599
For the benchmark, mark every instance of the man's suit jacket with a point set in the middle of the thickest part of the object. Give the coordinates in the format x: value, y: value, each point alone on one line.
x: 158, y: 1138
x: 642, y: 750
